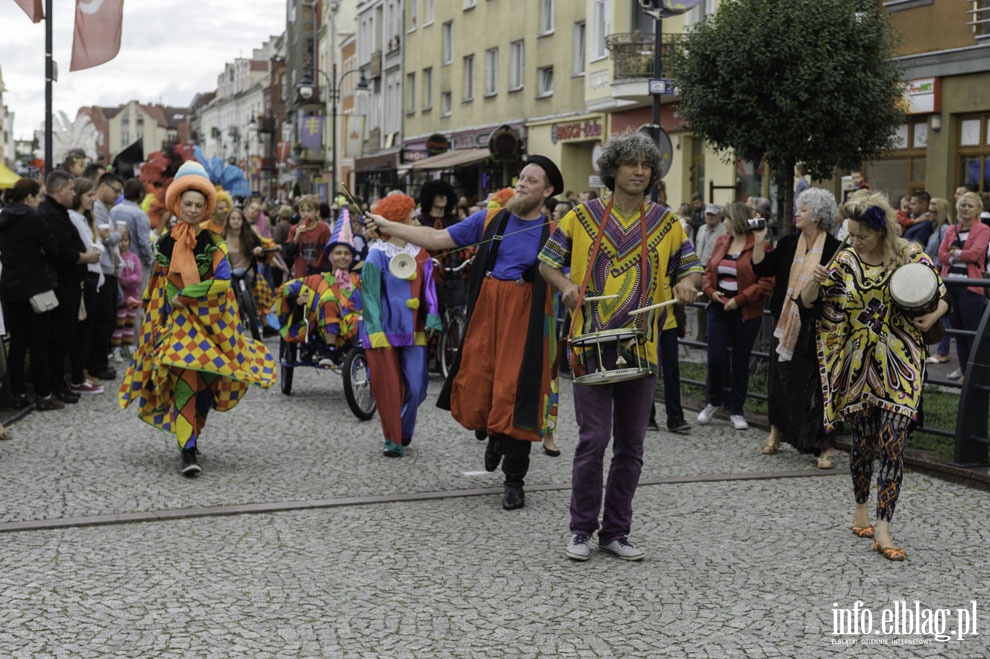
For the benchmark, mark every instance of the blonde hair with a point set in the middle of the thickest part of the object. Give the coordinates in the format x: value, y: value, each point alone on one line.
x: 943, y: 213
x: 973, y: 197
x: 896, y: 250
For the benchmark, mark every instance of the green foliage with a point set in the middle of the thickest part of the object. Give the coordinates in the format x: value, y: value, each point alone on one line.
x: 801, y: 80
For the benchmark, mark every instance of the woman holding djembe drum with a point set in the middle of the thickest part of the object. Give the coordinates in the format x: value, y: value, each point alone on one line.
x: 872, y: 355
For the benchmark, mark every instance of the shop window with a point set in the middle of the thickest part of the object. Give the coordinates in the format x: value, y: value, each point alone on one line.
x: 902, y: 170
x: 973, y: 145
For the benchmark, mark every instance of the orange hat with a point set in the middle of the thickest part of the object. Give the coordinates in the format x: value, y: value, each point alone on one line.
x: 395, y: 207
x: 191, y: 176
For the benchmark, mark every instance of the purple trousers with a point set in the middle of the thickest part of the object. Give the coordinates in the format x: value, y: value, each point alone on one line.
x: 618, y: 412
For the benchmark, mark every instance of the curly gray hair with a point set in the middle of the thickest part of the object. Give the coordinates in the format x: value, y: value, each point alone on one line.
x: 821, y: 204
x: 625, y: 148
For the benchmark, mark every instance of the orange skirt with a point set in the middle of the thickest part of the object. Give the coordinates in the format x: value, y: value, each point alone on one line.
x: 483, y: 395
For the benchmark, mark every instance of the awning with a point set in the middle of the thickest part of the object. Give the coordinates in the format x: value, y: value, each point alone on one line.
x: 457, y: 158
x: 7, y: 177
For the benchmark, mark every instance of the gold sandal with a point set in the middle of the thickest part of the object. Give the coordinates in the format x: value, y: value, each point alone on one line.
x: 771, y: 446
x: 826, y: 461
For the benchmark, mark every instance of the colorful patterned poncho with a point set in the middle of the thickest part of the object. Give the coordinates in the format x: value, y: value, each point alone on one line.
x: 618, y: 268
x: 205, y: 335
x: 869, y: 353
x: 329, y: 308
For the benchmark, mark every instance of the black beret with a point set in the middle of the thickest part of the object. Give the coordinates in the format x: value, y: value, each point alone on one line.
x: 553, y: 174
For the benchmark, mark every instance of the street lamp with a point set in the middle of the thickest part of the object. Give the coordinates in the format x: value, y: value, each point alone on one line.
x: 307, y: 92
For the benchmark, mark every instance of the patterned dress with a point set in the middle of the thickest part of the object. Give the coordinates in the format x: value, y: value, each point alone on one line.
x: 195, y: 358
x: 869, y: 353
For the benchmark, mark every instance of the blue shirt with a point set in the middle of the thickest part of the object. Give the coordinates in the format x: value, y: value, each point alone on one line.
x: 519, y: 249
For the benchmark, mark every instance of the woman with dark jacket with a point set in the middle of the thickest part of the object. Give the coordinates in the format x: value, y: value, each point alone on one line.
x: 24, y: 242
x: 735, y: 311
x: 794, y: 394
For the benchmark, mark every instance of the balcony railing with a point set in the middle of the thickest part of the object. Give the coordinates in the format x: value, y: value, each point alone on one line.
x: 632, y: 54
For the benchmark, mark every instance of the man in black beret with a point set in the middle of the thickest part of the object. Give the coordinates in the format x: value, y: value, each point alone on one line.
x: 499, y: 384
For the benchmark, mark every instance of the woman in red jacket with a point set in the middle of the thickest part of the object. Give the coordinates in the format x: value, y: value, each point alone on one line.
x: 963, y: 253
x: 735, y: 310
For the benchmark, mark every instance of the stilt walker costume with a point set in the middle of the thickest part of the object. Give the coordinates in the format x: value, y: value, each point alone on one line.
x: 193, y: 355
x: 397, y: 313
x: 499, y: 383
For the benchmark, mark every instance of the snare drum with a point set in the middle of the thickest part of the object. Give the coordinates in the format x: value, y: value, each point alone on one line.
x: 609, y: 356
x: 914, y: 289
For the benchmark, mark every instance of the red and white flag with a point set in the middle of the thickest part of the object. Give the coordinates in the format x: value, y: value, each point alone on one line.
x: 32, y: 8
x: 96, y: 39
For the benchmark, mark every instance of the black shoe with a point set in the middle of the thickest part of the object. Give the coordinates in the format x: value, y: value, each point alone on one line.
x: 20, y: 401
x: 492, y: 459
x: 106, y: 374
x: 268, y: 330
x: 50, y: 403
x: 652, y: 425
x: 514, y: 497
x: 680, y: 427
x: 190, y: 468
x: 67, y: 396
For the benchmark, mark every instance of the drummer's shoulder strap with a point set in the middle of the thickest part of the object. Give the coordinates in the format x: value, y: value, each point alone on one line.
x: 495, y: 223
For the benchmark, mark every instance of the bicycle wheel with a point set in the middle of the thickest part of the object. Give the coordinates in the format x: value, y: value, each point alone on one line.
x: 286, y: 361
x: 450, y: 341
x: 357, y: 385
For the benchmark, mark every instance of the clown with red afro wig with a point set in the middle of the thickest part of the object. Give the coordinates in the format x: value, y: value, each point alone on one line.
x: 395, y: 207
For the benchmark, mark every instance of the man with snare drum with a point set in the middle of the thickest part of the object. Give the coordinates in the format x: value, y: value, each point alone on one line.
x: 619, y: 250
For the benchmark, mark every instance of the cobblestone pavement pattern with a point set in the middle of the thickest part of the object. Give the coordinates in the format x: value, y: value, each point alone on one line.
x: 343, y: 553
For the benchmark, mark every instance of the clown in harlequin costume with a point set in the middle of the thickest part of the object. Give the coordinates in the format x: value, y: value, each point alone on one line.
x: 397, y: 314
x: 193, y: 356
x: 499, y: 385
x: 329, y: 302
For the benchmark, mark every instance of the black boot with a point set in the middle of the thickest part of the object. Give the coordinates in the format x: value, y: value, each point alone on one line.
x: 492, y: 457
x: 514, y: 467
x: 190, y: 467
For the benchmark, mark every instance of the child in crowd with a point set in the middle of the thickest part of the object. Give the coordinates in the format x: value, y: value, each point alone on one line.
x: 397, y: 313
x: 130, y: 298
x: 307, y: 239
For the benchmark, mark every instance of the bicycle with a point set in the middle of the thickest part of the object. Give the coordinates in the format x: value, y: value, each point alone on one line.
x: 452, y: 294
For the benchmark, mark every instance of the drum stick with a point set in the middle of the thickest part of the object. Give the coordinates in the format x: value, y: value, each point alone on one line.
x: 666, y: 303
x: 596, y: 298
x: 842, y: 246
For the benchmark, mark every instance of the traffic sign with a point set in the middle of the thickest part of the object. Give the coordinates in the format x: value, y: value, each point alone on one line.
x: 662, y: 86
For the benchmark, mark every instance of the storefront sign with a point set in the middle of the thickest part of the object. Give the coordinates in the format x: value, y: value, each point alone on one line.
x: 437, y: 143
x: 923, y: 95
x: 504, y: 144
x: 576, y: 130
x: 413, y: 155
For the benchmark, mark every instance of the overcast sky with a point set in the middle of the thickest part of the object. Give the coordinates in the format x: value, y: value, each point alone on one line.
x: 170, y: 50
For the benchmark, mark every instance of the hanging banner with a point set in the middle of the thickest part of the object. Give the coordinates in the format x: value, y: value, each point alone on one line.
x: 96, y: 39
x: 354, y: 129
x: 311, y: 133
x: 32, y: 8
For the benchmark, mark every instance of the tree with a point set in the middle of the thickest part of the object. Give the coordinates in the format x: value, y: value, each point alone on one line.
x: 799, y: 81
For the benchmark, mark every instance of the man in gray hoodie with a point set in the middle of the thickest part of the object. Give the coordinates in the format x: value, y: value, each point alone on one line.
x: 108, y: 189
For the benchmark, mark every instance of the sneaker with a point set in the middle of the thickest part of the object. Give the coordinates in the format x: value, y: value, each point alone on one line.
x: 106, y: 374
x: 190, y: 467
x: 49, y: 403
x: 652, y: 425
x: 681, y: 427
x: 707, y: 414
x: 624, y: 549
x: 579, y: 548
x: 67, y: 396
x: 738, y: 421
x: 87, y: 387
x: 20, y: 401
x: 116, y: 355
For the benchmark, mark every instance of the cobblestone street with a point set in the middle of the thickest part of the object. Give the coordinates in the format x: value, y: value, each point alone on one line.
x: 301, y: 540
